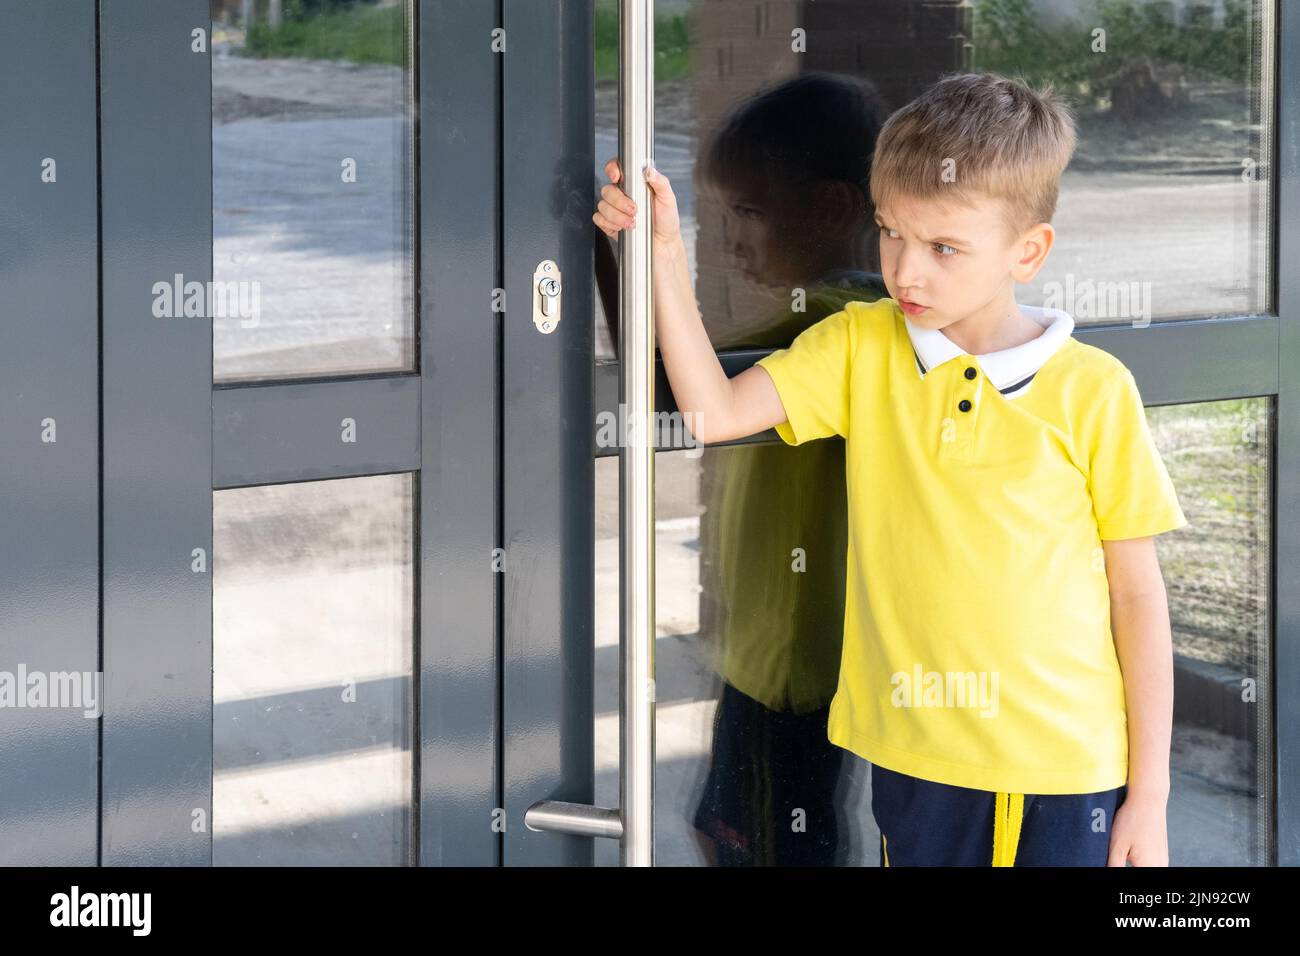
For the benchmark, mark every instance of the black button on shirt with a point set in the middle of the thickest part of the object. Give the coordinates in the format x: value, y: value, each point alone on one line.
x: 970, y: 372
x: 964, y: 404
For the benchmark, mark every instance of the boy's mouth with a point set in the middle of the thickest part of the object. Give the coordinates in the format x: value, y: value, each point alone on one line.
x: 912, y: 308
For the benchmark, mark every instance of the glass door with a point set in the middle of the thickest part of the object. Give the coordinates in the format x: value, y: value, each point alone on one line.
x: 1168, y: 239
x: 285, y: 463
x: 300, y: 459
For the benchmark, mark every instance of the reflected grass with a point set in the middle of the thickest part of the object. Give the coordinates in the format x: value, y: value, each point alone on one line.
x: 360, y: 34
x: 672, y: 43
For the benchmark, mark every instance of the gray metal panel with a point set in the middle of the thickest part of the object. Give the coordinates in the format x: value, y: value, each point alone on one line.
x: 266, y: 434
x: 49, y: 490
x: 549, y: 481
x: 1195, y: 360
x: 458, y: 256
x: 1286, y: 509
x: 1231, y: 358
x: 156, y: 163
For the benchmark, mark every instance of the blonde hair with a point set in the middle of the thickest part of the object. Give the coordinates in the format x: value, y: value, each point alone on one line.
x: 978, y: 134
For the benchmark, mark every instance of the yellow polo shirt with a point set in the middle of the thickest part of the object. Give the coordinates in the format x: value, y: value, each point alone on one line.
x: 977, y: 643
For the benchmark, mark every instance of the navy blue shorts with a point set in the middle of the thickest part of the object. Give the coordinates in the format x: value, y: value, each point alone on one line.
x: 923, y: 823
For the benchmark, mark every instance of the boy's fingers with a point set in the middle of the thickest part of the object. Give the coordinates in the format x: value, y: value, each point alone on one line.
x: 611, y: 168
x: 617, y: 198
x: 613, y: 215
x: 658, y: 182
x: 1118, y: 854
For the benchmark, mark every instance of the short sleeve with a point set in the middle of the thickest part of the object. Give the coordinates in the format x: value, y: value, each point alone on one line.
x: 1132, y: 494
x: 812, y: 379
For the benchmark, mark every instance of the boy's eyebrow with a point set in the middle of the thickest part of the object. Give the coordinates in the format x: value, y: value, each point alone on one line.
x: 946, y: 240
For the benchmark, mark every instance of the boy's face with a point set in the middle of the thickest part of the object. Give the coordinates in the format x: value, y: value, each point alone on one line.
x: 947, y: 262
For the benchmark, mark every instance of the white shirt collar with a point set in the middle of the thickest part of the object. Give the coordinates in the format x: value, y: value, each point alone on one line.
x: 1010, y: 370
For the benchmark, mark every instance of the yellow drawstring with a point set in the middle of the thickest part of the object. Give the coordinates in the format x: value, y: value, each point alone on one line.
x: 1007, y: 812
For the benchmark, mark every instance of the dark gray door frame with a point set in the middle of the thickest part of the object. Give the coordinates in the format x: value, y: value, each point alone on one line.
x: 549, y: 478
x: 49, y: 424
x: 1286, y: 469
x: 156, y: 222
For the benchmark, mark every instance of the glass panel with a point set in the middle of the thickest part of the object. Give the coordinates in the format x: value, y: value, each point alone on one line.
x: 1217, y: 573
x: 748, y: 653
x: 1163, y: 212
x: 1165, y: 209
x: 312, y: 173
x: 312, y: 648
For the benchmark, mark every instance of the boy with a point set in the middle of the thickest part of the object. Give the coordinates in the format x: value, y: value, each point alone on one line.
x: 1007, y: 661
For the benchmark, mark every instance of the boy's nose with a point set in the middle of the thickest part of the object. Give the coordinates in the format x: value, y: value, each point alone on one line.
x: 906, y: 274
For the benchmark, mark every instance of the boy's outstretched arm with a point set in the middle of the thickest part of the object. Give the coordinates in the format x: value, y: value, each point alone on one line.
x: 715, y: 407
x: 1139, y: 611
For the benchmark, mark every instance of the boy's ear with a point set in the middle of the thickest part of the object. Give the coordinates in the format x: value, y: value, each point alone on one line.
x: 1031, y: 251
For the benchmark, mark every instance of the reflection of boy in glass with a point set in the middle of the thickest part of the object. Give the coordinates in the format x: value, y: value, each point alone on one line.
x: 790, y: 168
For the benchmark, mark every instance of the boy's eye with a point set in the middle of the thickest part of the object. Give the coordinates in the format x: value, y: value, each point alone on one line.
x: 938, y: 246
